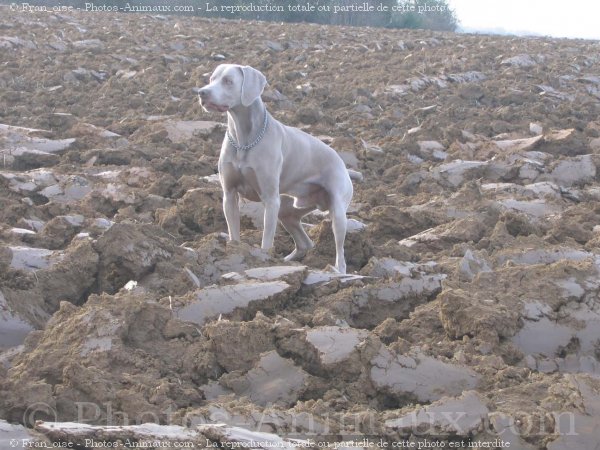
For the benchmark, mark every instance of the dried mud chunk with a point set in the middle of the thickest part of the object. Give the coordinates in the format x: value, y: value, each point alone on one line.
x: 514, y: 224
x: 308, y: 115
x: 568, y: 142
x: 467, y: 230
x: 238, y: 345
x: 523, y: 60
x: 335, y: 344
x: 577, y: 223
x: 129, y: 252
x: 455, y: 173
x: 121, y: 356
x: 28, y: 151
x: 185, y: 130
x: 18, y: 397
x: 577, y: 429
x: 463, y: 315
x: 391, y: 222
x: 60, y: 230
x: 330, y: 352
x: 200, y: 211
x: 273, y: 380
x: 293, y: 275
x: 68, y: 276
x: 472, y: 264
x: 179, y: 163
x: 6, y: 256
x: 239, y: 301
x: 32, y: 259
x: 568, y: 344
x: 437, y: 419
x: 432, y: 150
x: 357, y: 247
x: 421, y: 377
x: 109, y: 156
x: 338, y: 349
x: 109, y: 198
x: 368, y: 306
x: 72, y: 278
x: 23, y: 158
x: 519, y: 145
x: 217, y: 256
x: 538, y: 253
x: 165, y: 186
x: 572, y: 171
x: 595, y: 145
x: 88, y: 44
x: 536, y: 210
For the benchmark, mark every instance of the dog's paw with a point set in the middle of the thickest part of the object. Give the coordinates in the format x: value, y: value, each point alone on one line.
x: 335, y: 269
x: 296, y: 255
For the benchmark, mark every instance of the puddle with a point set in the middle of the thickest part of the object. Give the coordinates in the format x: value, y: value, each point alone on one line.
x: 542, y: 339
x: 13, y: 330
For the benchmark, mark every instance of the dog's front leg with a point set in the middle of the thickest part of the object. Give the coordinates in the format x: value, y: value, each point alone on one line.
x: 270, y: 220
x: 231, y: 208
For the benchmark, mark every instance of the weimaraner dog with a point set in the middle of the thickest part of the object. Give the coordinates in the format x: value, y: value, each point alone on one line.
x: 291, y: 172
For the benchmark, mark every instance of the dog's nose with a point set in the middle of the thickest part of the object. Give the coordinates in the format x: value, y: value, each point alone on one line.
x: 202, y: 93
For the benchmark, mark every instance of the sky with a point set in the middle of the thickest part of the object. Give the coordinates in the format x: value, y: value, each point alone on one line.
x: 558, y: 18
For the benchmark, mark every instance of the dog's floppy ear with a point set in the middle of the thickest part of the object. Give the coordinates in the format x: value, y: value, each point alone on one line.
x: 252, y: 85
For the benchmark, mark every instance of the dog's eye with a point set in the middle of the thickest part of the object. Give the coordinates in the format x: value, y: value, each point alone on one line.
x: 227, y: 81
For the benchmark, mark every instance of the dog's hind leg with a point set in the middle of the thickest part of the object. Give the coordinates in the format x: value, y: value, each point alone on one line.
x: 337, y: 213
x: 290, y: 218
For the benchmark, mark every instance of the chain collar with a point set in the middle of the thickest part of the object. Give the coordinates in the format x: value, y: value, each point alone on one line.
x: 252, y: 144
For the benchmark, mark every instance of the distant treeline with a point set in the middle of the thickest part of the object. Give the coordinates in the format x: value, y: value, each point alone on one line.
x: 428, y: 14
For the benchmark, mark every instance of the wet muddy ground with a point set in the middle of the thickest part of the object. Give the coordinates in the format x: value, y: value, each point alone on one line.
x: 470, y: 315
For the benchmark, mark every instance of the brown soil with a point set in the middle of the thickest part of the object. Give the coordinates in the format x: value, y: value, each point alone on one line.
x: 479, y: 260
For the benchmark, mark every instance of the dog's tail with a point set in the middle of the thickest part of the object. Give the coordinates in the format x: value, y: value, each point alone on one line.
x: 355, y: 175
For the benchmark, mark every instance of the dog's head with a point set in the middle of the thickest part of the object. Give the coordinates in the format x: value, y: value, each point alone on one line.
x: 231, y: 85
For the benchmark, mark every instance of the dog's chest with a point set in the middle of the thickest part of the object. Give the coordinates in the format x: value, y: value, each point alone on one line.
x: 236, y: 164
x: 238, y: 173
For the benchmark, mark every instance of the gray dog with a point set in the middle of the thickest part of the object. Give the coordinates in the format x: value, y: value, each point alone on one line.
x: 291, y: 172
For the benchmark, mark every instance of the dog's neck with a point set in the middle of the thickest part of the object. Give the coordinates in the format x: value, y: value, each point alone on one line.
x: 246, y: 122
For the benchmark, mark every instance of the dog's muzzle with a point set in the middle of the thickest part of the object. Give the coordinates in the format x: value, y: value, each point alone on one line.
x: 203, y: 99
